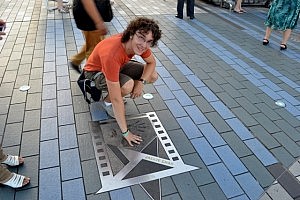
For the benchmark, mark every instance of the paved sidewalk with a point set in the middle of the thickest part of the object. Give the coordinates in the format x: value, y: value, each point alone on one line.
x: 215, y: 99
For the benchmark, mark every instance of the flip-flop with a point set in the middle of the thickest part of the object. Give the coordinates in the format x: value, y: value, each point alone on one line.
x: 12, y: 161
x: 238, y: 11
x: 283, y: 47
x: 16, y: 181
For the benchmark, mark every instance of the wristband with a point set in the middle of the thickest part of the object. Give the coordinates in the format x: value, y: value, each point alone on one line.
x: 125, y: 134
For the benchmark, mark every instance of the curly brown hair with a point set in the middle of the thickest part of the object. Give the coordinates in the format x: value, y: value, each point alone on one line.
x: 144, y: 25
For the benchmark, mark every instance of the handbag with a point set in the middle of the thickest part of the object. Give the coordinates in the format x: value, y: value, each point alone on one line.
x: 83, y: 20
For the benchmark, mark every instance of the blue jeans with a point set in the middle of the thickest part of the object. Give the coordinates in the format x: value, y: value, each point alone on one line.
x: 189, y: 8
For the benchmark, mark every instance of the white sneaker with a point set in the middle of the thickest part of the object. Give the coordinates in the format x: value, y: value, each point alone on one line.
x: 108, y: 109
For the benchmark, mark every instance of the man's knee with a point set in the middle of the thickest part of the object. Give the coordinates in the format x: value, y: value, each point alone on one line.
x: 127, y: 87
x: 153, y: 77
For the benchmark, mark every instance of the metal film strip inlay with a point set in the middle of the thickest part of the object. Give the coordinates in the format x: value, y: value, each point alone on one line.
x: 102, y: 160
x: 164, y: 138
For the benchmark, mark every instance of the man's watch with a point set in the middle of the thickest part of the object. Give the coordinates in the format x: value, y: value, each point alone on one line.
x: 143, y: 81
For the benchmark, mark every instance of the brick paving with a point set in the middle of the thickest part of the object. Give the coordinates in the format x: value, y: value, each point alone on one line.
x: 215, y: 98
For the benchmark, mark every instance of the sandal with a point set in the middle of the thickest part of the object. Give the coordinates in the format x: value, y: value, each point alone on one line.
x: 13, y: 160
x: 63, y: 10
x: 16, y: 181
x: 283, y: 47
x: 265, y: 41
x: 238, y: 11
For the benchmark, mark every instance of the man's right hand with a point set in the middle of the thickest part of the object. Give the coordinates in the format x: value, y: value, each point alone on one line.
x: 100, y: 26
x: 131, y: 138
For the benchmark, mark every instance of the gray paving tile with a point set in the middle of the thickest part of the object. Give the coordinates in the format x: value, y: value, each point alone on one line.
x: 183, y: 98
x: 181, y: 142
x: 2, y: 124
x: 24, y: 69
x: 73, y: 189
x: 70, y: 158
x: 91, y: 176
x: 18, y: 96
x: 49, y: 156
x: 190, y: 90
x: 212, y: 191
x: 49, y: 92
x: 261, y: 152
x: 64, y: 97
x: 189, y: 127
x: 175, y: 196
x: 165, y: 92
x: 9, y: 76
x: 157, y: 103
x: 62, y: 70
x: 266, y: 123
x: 186, y: 186
x: 67, y: 137
x: 206, y: 152
x: 82, y: 122
x: 225, y: 180
x: 36, y: 73
x: 35, y: 86
x: 239, y: 129
x: 49, y: 129
x: 175, y: 108
x: 33, y: 101
x: 248, y: 104
x: 30, y: 143
x: 124, y: 193
x: 167, y: 120
x: 232, y: 162
x: 215, y: 119
x: 12, y: 134
x: 236, y: 144
x: 244, y: 116
x: 167, y: 186
x: 4, y: 105
x: 211, y: 134
x: 86, y: 149
x: 80, y: 105
x: 32, y: 120
x: 49, y: 108
x: 50, y: 184
x: 283, y: 156
x: 63, y: 83
x: 65, y: 115
x: 250, y: 185
x: 102, y: 196
x: 29, y: 194
x: 288, y: 144
x: 49, y: 78
x: 261, y: 174
x: 288, y: 129
x: 264, y: 137
x: 16, y: 113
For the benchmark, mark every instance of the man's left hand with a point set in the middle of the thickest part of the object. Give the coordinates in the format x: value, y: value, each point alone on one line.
x: 137, y: 90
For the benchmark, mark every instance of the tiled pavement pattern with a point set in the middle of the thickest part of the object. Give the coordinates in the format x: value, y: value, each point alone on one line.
x: 215, y: 97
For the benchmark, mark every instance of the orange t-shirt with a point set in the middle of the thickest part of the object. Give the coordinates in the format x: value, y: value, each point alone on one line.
x: 109, y: 56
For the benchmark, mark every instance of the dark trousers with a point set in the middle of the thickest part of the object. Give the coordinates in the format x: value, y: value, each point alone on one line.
x: 190, y: 4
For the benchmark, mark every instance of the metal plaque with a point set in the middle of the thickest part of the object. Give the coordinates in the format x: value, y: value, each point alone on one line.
x: 121, y: 165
